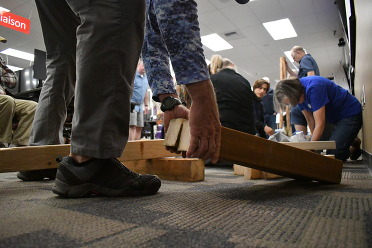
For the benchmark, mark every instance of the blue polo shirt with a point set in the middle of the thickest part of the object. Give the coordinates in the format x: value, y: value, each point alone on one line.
x: 139, y: 90
x: 339, y: 103
x: 307, y: 63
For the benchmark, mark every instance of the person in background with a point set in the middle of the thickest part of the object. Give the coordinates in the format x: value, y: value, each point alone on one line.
x: 308, y: 67
x: 140, y: 102
x: 173, y: 35
x: 268, y: 106
x: 322, y: 101
x: 260, y: 88
x: 234, y: 96
x: 10, y: 108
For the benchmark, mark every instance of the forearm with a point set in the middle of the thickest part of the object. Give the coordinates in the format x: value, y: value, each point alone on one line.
x: 289, y: 70
x: 317, y: 134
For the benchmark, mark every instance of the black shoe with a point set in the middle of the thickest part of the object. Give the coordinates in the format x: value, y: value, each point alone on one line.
x: 106, y: 177
x: 355, y: 150
x: 37, y: 175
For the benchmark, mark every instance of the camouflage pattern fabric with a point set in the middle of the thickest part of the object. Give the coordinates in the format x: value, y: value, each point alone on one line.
x: 172, y: 34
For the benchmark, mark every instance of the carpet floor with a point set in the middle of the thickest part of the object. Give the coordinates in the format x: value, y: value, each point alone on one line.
x: 223, y: 211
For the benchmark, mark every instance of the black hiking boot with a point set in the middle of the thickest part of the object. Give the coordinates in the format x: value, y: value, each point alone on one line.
x: 107, y: 177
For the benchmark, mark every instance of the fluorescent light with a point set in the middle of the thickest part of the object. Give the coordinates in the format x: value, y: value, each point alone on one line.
x: 14, y: 68
x: 215, y: 42
x: 18, y: 54
x: 2, y: 9
x: 280, y: 29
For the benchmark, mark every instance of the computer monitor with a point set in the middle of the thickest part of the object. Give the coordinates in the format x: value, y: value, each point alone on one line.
x: 39, y: 64
x: 27, y: 81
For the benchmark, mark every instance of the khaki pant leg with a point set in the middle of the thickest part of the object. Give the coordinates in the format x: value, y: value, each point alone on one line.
x: 7, y: 110
x: 25, y: 110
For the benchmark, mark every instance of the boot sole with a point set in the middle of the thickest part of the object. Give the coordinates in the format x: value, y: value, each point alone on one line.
x: 84, y: 190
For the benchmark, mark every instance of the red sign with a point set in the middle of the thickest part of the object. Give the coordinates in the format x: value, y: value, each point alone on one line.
x: 15, y: 22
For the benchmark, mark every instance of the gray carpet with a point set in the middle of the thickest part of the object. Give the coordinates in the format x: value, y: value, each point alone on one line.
x: 222, y: 211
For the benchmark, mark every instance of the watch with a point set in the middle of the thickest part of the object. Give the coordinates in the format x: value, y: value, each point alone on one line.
x: 169, y: 103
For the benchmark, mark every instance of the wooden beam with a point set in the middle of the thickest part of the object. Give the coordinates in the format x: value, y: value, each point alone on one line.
x: 312, y: 145
x: 250, y: 173
x: 273, y: 157
x: 44, y: 157
x: 283, y: 68
x: 175, y: 169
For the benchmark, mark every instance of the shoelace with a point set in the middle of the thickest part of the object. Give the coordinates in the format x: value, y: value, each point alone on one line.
x: 122, y: 167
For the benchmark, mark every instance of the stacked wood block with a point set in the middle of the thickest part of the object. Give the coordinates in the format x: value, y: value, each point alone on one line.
x: 145, y: 156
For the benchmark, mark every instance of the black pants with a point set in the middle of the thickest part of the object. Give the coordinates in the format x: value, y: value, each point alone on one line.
x: 92, y: 52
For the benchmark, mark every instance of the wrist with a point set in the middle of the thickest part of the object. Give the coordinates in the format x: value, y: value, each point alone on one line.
x: 169, y: 103
x: 162, y: 96
x: 200, y: 90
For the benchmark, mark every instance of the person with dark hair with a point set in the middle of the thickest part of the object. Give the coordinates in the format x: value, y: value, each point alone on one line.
x: 268, y: 106
x: 260, y: 88
x: 322, y: 101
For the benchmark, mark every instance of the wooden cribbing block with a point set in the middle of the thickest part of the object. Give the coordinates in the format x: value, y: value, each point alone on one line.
x: 178, y: 134
x: 44, y: 157
x: 250, y: 173
x: 175, y: 169
x: 273, y: 157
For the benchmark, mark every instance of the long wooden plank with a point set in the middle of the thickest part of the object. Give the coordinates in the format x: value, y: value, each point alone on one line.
x: 175, y: 169
x: 261, y: 154
x: 44, y: 157
x: 312, y: 145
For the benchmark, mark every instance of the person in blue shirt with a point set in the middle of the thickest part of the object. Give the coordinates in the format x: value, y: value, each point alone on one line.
x: 321, y: 101
x: 139, y: 102
x: 308, y: 67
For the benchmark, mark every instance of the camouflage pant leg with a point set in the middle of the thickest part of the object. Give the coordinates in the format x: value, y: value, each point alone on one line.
x: 172, y: 32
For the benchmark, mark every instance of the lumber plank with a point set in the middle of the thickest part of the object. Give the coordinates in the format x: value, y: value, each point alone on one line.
x: 277, y: 158
x: 239, y: 170
x: 44, y: 157
x: 312, y: 145
x: 267, y: 175
x: 174, y: 169
x: 283, y: 68
x: 250, y: 173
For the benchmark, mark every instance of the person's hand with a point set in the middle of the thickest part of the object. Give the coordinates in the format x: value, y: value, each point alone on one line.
x: 146, y: 109
x: 269, y: 131
x: 205, y: 126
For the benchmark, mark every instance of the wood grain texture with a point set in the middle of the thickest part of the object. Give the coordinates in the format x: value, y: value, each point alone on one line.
x: 174, y: 169
x: 44, y: 157
x: 312, y: 145
x: 273, y: 157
